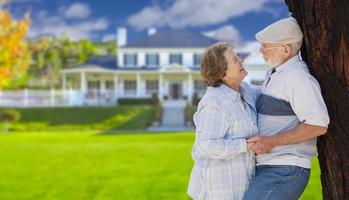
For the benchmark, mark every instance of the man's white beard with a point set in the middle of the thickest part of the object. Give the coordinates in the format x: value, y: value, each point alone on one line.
x: 274, y: 61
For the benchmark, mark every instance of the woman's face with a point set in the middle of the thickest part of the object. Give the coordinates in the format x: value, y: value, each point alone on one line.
x: 235, y: 72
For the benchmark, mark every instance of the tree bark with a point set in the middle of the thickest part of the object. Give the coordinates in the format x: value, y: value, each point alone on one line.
x: 325, y: 25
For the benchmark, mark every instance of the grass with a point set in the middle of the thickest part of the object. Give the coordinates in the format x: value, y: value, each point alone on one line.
x: 84, y: 118
x: 101, y: 166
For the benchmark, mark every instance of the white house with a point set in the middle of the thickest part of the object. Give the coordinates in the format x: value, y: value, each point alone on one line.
x: 164, y: 63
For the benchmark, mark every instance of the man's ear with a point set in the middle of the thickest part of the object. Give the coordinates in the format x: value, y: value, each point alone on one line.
x: 288, y: 50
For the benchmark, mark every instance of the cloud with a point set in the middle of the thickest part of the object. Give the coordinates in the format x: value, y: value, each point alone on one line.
x: 109, y: 37
x: 184, y: 13
x: 252, y: 47
x: 225, y: 33
x: 23, y: 1
x: 58, y: 26
x: 77, y: 11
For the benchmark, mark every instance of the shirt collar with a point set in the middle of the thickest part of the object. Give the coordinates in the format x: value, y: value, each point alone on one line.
x: 231, y: 92
x: 288, y: 63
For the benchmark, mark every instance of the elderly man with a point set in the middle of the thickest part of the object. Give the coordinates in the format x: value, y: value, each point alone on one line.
x: 291, y: 114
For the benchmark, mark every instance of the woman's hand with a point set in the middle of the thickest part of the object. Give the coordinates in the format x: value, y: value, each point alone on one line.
x: 260, y: 144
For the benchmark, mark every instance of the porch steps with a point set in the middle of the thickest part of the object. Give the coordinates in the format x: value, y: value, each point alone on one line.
x: 173, y: 117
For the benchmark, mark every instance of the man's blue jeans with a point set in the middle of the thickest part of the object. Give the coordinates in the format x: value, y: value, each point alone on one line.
x: 278, y: 182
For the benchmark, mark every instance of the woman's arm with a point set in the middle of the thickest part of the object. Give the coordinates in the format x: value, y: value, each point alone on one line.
x: 221, y: 148
x: 211, y: 127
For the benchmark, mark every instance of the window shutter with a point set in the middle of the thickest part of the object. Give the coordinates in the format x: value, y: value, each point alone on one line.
x: 125, y: 59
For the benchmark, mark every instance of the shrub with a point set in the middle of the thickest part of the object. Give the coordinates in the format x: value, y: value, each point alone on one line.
x: 135, y: 101
x: 189, y: 112
x: 154, y: 99
x: 9, y: 115
x: 158, y: 113
x: 84, y: 118
x: 195, y: 99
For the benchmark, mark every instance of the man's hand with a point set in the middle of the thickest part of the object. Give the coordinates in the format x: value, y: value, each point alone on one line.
x: 260, y: 144
x: 249, y: 146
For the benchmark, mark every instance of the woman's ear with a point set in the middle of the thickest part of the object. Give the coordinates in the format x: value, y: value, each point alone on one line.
x: 224, y: 78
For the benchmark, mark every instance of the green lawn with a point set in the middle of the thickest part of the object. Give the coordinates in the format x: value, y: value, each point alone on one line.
x: 101, y: 166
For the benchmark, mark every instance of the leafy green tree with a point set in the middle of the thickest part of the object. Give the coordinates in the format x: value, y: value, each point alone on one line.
x: 51, y: 55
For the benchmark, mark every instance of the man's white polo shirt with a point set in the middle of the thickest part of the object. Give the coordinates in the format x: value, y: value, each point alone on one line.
x: 288, y: 97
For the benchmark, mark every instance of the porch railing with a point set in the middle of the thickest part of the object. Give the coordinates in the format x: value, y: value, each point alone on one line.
x: 55, y: 98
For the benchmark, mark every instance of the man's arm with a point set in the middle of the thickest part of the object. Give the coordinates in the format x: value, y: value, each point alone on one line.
x: 303, y: 132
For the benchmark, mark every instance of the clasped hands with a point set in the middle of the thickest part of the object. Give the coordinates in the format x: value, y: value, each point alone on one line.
x: 260, y: 144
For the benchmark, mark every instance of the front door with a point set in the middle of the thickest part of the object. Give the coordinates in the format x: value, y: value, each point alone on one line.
x: 176, y: 90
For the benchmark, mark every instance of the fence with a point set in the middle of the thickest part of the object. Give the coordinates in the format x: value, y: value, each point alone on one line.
x: 55, y: 98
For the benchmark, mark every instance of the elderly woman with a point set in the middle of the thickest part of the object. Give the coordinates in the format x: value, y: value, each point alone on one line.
x: 225, y: 118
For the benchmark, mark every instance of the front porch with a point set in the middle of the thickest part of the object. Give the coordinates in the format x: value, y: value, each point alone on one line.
x: 107, y: 87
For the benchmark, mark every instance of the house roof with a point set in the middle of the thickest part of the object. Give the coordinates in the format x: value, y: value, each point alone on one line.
x: 173, y: 39
x: 107, y: 62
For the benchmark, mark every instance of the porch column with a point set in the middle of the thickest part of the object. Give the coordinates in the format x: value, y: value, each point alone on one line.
x: 102, y: 86
x: 161, y: 82
x: 116, y: 87
x: 190, y: 87
x: 83, y: 82
x: 64, y: 82
x: 64, y: 85
x: 52, y: 97
x: 82, y: 88
x: 25, y: 97
x: 138, y: 85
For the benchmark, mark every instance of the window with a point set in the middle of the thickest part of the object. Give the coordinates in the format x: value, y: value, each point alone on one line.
x: 109, y: 85
x: 175, y: 59
x: 93, y: 85
x: 152, y: 60
x: 197, y: 60
x: 151, y: 86
x: 130, y: 59
x: 257, y: 82
x: 130, y: 87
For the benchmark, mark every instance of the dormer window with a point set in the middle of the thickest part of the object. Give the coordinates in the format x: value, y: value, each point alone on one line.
x: 197, y: 60
x: 130, y: 60
x: 176, y: 59
x: 152, y: 60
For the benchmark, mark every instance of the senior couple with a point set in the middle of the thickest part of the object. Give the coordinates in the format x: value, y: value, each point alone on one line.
x: 257, y: 143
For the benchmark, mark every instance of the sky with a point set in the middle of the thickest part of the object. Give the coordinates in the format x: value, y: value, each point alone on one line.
x: 97, y: 20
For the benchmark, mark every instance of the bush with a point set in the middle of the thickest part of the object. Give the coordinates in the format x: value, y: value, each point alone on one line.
x: 9, y: 115
x: 135, y: 101
x: 195, y: 99
x: 154, y: 99
x: 84, y: 118
x: 189, y: 112
x: 158, y: 113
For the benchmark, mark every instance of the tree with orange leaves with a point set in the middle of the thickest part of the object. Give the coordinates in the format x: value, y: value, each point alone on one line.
x: 14, y: 53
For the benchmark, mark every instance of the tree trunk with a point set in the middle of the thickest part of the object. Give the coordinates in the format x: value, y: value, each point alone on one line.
x: 325, y: 24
